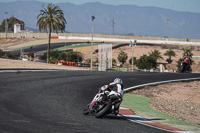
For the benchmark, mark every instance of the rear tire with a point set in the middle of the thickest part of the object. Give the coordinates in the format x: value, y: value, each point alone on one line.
x: 104, y: 110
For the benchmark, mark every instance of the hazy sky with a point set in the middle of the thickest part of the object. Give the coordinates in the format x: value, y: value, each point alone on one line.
x: 178, y: 5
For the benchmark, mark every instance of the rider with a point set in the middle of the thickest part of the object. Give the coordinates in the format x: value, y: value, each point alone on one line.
x: 187, y: 59
x: 116, y: 86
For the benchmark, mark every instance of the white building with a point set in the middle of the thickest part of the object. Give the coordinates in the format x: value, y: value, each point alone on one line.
x: 17, y: 28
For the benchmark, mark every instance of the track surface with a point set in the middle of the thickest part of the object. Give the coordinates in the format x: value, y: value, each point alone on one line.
x: 43, y: 47
x: 49, y: 102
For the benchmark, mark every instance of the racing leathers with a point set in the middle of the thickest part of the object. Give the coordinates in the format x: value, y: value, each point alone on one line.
x: 187, y: 60
x: 118, y: 91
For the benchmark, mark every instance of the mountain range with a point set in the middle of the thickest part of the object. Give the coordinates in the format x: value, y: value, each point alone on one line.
x: 111, y: 19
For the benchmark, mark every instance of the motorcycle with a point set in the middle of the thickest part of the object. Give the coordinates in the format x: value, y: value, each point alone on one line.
x: 102, y: 103
x: 185, y: 65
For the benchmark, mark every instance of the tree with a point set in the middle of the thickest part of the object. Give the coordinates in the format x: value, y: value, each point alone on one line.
x: 146, y: 62
x: 11, y: 21
x: 51, y: 19
x: 122, y: 57
x: 155, y: 54
x: 170, y: 53
x: 188, y: 51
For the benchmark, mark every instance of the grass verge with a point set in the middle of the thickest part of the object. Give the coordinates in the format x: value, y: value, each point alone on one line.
x: 141, y: 106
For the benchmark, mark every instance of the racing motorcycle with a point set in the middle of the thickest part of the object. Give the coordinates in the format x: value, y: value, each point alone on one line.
x: 102, y: 103
x: 185, y: 65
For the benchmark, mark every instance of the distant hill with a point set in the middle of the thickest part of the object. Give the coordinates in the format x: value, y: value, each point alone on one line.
x: 129, y: 19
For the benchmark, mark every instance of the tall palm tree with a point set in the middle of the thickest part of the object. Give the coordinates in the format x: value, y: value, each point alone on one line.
x: 51, y: 19
x: 170, y: 53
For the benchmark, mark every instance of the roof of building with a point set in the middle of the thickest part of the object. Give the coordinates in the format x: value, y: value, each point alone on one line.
x: 17, y: 24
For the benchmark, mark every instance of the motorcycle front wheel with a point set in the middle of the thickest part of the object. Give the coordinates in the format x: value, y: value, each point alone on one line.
x: 103, y: 110
x: 182, y: 68
x: 86, y: 110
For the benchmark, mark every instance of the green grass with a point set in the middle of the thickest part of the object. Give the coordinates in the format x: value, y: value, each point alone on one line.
x: 75, y: 46
x: 78, y: 46
x: 64, y: 47
x: 140, y: 105
x: 28, y: 47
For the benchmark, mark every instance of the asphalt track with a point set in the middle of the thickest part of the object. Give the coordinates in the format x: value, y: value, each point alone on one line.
x: 43, y: 47
x: 52, y: 102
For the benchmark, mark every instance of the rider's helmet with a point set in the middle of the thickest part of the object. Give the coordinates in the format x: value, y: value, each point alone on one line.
x: 186, y: 54
x: 118, y: 81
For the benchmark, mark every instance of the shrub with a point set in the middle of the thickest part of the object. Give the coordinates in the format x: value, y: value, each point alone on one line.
x: 56, y: 55
x: 122, y: 57
x: 74, y: 56
x: 134, y: 61
x: 1, y: 53
x: 146, y: 62
x: 114, y: 62
x: 88, y: 61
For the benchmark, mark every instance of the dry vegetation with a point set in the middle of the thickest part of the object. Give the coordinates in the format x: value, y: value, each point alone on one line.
x: 179, y: 100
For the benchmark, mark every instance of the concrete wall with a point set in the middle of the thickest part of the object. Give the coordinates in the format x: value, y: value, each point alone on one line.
x: 45, y: 35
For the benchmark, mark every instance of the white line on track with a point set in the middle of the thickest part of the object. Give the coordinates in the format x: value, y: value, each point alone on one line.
x: 160, y: 82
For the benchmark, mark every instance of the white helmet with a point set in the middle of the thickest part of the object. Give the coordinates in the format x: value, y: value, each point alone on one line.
x: 118, y: 81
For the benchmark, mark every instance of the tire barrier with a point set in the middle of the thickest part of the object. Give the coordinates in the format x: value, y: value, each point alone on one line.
x: 66, y: 63
x: 74, y: 64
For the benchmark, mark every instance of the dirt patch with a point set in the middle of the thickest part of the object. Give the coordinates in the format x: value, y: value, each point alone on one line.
x: 19, y: 64
x: 6, y: 42
x: 179, y: 100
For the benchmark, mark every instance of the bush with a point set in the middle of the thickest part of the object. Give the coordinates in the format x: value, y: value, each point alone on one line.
x: 146, y: 62
x: 114, y: 63
x: 88, y: 61
x: 12, y: 55
x: 169, y: 60
x: 1, y: 53
x: 134, y: 61
x: 122, y: 57
x: 74, y: 56
x: 57, y: 56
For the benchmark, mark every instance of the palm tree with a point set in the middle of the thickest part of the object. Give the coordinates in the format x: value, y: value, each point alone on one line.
x: 51, y: 19
x: 188, y: 51
x: 170, y: 53
x: 155, y: 54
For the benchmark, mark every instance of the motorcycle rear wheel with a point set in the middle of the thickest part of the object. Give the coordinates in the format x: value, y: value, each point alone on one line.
x: 103, y: 111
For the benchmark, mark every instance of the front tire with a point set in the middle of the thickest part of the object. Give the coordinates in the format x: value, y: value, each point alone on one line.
x: 86, y: 110
x: 100, y: 113
x: 182, y: 68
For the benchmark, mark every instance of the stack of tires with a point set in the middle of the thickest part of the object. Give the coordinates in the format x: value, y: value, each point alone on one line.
x: 66, y: 63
